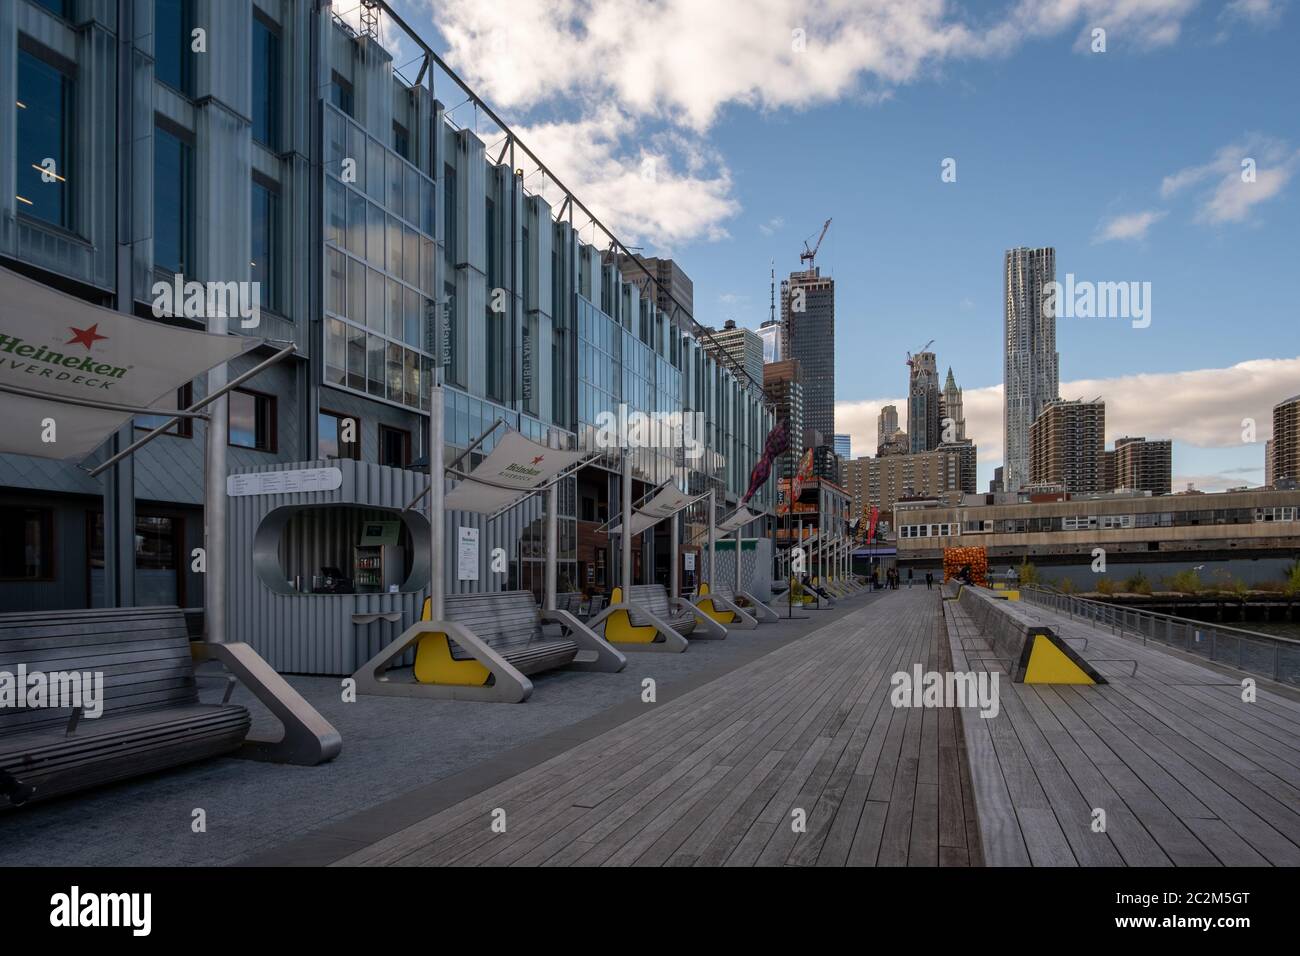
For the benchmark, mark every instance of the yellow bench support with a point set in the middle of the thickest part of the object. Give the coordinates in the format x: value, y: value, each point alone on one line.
x: 1047, y: 659
x: 435, y: 665
x: 720, y: 615
x: 619, y: 628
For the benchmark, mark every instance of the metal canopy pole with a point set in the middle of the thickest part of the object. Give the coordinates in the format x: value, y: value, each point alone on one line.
x: 713, y: 542
x: 214, y: 499
x: 437, y: 491
x: 739, y: 539
x: 674, y: 559
x: 625, y: 536
x: 552, y: 536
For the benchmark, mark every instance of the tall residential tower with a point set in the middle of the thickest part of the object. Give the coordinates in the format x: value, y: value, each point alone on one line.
x: 1031, y: 372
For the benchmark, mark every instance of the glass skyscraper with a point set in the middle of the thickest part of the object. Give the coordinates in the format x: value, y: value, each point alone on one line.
x: 1031, y: 372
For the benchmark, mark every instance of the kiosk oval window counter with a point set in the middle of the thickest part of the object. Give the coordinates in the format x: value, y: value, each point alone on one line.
x: 325, y: 567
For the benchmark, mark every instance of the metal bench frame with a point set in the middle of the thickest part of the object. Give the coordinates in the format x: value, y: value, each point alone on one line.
x: 721, y: 602
x: 508, y: 684
x: 617, y: 615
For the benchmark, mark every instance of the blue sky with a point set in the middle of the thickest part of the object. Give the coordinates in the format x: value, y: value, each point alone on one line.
x: 753, y: 147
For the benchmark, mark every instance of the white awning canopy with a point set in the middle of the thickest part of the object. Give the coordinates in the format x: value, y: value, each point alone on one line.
x: 741, y: 516
x: 665, y: 503
x: 61, y: 350
x: 516, y: 468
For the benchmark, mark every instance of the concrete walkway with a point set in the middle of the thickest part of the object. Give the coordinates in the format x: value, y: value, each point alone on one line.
x: 797, y: 758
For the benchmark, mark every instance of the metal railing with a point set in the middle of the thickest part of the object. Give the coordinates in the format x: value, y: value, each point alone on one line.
x: 1277, y: 658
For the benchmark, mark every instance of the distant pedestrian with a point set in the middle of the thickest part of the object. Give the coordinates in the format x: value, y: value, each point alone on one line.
x: 929, y: 580
x: 909, y: 579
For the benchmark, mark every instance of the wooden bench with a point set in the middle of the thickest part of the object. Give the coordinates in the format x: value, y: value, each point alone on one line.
x: 151, y: 719
x: 570, y: 601
x: 720, y: 604
x: 509, y: 622
x: 654, y: 598
x: 484, y: 648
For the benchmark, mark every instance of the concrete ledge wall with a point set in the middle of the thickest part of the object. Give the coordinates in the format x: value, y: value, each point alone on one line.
x: 1004, y: 623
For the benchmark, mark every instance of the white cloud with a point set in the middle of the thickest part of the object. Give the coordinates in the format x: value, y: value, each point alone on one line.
x: 664, y: 190
x: 1130, y: 226
x: 1254, y: 12
x: 678, y: 64
x: 1200, y: 407
x: 772, y: 226
x: 1226, y: 196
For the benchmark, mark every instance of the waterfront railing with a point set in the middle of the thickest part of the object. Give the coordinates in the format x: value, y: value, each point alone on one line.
x: 1277, y: 658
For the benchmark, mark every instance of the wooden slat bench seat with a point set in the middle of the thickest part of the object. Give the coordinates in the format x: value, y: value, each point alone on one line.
x: 654, y: 598
x: 510, y: 623
x: 152, y: 717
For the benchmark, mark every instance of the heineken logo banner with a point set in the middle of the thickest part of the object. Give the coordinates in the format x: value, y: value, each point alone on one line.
x: 515, y: 468
x: 62, y: 347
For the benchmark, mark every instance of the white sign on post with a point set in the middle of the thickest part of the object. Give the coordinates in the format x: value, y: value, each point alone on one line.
x: 690, y: 560
x: 467, y: 554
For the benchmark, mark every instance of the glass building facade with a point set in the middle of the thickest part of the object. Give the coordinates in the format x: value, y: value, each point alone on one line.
x: 386, y: 240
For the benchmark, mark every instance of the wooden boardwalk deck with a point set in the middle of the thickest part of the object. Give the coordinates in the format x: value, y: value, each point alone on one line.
x: 717, y: 777
x: 1187, y: 773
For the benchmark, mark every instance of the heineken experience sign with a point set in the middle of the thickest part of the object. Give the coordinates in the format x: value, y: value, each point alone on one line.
x: 55, y: 346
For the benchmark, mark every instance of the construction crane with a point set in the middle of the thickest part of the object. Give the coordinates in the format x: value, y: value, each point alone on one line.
x: 808, y: 255
x: 911, y: 356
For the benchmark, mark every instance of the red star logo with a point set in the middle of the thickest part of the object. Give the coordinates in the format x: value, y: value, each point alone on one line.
x: 538, y: 459
x: 86, y: 337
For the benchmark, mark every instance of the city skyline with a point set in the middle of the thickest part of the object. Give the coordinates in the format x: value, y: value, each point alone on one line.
x: 1118, y: 197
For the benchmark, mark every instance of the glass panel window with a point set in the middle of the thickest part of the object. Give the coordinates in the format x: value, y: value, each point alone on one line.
x: 336, y: 217
x: 375, y: 236
x: 340, y: 436
x: 356, y: 224
x: 376, y: 297
x: 341, y: 96
x: 395, y: 373
x: 412, y: 189
x: 252, y: 420
x: 356, y: 292
x: 266, y: 84
x: 376, y: 181
x: 336, y: 356
x: 43, y: 145
x: 396, y: 202
x: 335, y: 282
x: 375, y: 347
x: 356, y: 358
x: 26, y: 544
x: 394, y: 261
x: 173, y: 228
x: 336, y: 139
x: 410, y: 255
x: 265, y: 261
x: 411, y: 319
x: 412, y: 377
x: 396, y: 305
x: 173, y: 61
